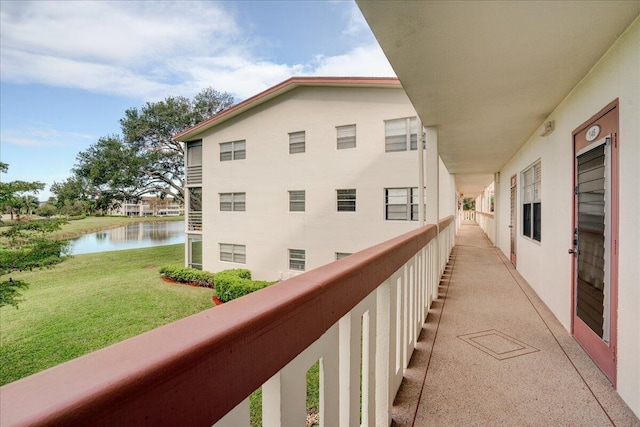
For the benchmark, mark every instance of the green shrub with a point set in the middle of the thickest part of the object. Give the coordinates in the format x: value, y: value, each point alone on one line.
x: 188, y: 275
x: 232, y: 284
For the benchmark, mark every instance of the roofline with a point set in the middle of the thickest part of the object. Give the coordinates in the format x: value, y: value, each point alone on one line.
x: 278, y: 90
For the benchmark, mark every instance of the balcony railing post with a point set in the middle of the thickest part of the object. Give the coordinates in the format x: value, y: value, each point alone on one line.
x: 237, y: 417
x: 330, y: 380
x: 385, y: 353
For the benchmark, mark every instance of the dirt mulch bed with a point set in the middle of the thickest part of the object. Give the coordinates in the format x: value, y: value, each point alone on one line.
x: 215, y: 299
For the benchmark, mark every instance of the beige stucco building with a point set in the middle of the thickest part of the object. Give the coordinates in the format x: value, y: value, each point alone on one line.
x: 304, y: 173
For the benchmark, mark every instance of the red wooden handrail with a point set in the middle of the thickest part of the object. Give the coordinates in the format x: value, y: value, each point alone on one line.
x: 193, y: 371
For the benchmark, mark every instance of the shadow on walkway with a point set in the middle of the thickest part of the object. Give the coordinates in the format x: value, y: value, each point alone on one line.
x: 491, y: 353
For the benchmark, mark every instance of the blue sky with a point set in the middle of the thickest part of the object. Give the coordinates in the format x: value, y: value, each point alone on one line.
x: 69, y: 70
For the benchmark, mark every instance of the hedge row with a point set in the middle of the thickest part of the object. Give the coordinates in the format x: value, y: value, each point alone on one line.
x: 188, y: 275
x: 232, y: 284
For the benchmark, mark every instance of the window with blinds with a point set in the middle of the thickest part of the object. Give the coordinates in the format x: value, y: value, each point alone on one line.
x: 346, y: 200
x: 234, y: 150
x: 232, y: 201
x: 297, y: 142
x: 346, y: 136
x: 401, y: 204
x: 531, y: 202
x: 297, y: 259
x: 297, y: 201
x: 233, y: 253
x: 401, y: 134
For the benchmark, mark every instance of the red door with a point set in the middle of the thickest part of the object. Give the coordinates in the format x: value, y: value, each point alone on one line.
x: 595, y: 238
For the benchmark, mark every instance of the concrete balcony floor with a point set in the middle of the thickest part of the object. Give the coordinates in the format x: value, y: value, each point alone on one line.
x: 491, y: 353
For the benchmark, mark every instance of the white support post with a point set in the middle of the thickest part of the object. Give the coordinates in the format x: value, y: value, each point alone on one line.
x: 433, y: 188
x: 421, y: 177
x: 238, y: 416
x: 350, y: 369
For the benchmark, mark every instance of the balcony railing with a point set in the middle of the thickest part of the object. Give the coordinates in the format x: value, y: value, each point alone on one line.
x: 360, y: 316
x: 194, y: 175
x: 468, y: 215
x: 194, y: 221
x: 486, y: 222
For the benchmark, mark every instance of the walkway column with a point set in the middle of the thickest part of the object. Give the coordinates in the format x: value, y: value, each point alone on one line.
x: 432, y: 211
x: 496, y: 204
x: 432, y: 172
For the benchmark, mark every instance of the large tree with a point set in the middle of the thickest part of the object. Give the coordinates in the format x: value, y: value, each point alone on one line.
x: 24, y: 245
x: 146, y: 160
x: 17, y: 196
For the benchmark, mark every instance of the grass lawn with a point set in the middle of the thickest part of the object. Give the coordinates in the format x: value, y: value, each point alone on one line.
x: 89, y: 302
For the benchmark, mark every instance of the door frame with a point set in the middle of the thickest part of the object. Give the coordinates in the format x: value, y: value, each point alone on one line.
x: 513, y: 215
x: 605, y: 356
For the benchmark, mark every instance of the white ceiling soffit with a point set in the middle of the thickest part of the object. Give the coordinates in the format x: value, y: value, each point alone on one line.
x: 488, y: 73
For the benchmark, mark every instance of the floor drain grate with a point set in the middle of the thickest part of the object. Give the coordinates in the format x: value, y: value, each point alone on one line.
x: 498, y: 345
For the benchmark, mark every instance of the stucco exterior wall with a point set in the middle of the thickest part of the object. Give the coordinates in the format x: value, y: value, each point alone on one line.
x: 267, y: 228
x: 547, y: 265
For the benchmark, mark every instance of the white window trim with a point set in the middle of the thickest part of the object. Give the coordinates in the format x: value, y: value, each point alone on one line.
x: 303, y: 201
x: 238, y: 150
x: 237, y: 253
x: 346, y: 200
x: 297, y: 258
x: 346, y: 137
x: 410, y: 134
x: 236, y: 205
x: 411, y: 201
x: 531, y: 194
x: 297, y: 142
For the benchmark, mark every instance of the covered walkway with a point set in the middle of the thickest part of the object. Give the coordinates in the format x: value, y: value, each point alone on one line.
x: 491, y: 353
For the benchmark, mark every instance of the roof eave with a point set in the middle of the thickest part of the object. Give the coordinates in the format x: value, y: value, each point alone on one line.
x: 278, y: 90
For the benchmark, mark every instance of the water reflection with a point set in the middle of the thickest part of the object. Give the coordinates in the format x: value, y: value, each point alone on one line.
x: 131, y: 236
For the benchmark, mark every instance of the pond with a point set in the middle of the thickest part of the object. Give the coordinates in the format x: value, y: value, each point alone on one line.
x: 131, y: 236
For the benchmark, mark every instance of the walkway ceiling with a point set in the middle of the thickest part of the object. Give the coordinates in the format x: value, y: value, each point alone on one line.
x: 488, y: 73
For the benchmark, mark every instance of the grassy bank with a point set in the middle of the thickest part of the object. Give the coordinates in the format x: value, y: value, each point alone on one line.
x: 89, y: 302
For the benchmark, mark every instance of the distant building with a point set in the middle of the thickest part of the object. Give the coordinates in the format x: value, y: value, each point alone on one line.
x: 150, y: 206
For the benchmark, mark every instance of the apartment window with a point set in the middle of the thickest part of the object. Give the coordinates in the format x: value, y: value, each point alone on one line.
x: 346, y: 200
x: 297, y: 259
x: 194, y: 153
x: 531, y: 202
x: 401, y: 204
x: 346, y: 136
x: 297, y: 142
x: 297, y: 201
x: 340, y: 255
x: 233, y: 253
x: 195, y: 252
x: 232, y: 201
x: 401, y: 134
x: 234, y: 150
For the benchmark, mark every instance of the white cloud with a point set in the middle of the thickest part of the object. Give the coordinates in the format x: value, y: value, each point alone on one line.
x: 40, y: 135
x: 148, y: 50
x: 364, y: 61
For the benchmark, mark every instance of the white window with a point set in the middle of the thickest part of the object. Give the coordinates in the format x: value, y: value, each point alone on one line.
x: 401, y: 134
x: 297, y: 201
x: 195, y: 252
x: 346, y: 136
x: 194, y: 153
x: 232, y: 201
x: 346, y: 200
x: 234, y: 150
x: 297, y: 259
x: 340, y: 255
x: 233, y: 253
x: 401, y: 204
x: 531, y: 202
x: 296, y: 142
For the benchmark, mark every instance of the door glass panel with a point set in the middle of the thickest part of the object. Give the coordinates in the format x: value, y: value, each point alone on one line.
x: 591, y: 234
